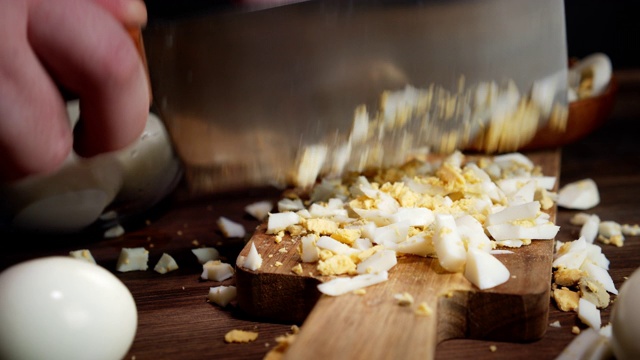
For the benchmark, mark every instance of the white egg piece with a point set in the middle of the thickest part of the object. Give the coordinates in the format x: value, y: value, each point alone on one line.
x: 205, y: 254
x: 309, y: 251
x: 579, y: 195
x: 253, y: 260
x: 165, y: 264
x: 230, y: 228
x: 222, y: 295
x: 485, y: 270
x: 62, y: 308
x: 590, y: 228
x: 280, y: 221
x: 285, y: 205
x: 335, y: 246
x: 449, y: 247
x: 419, y: 244
x: 527, y: 210
x: 343, y: 285
x: 589, y: 313
x: 625, y: 319
x: 216, y: 270
x: 380, y: 261
x: 259, y: 209
x: 601, y: 275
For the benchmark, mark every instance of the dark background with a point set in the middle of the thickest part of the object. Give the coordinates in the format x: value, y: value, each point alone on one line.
x: 608, y: 26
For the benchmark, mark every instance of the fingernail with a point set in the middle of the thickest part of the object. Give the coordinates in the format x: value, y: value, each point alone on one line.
x: 136, y: 13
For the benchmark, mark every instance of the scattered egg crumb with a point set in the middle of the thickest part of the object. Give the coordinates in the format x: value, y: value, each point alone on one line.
x: 283, y: 250
x: 404, y: 299
x: 114, y: 232
x: 278, y: 264
x: 555, y: 324
x: 179, y: 232
x: 359, y: 291
x: 575, y: 330
x: 493, y: 348
x: 297, y: 269
x: 424, y: 309
x: 240, y: 336
x: 195, y: 242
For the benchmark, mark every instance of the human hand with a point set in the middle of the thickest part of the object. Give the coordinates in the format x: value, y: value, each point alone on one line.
x: 80, y: 45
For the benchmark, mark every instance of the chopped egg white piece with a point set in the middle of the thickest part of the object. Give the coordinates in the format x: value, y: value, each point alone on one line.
x: 216, y: 270
x: 448, y: 244
x: 222, y: 295
x: 485, y: 270
x: 601, y: 275
x: 205, y: 254
x: 509, y: 214
x: 589, y: 314
x: 343, y: 285
x: 133, y: 259
x: 290, y: 205
x: 83, y: 254
x: 309, y: 251
x: 335, y: 246
x: 231, y: 229
x: 580, y: 195
x: 280, y: 221
x: 165, y: 264
x: 260, y: 209
x: 380, y: 261
x: 589, y: 229
x: 253, y: 261
x: 310, y: 164
x: 114, y: 232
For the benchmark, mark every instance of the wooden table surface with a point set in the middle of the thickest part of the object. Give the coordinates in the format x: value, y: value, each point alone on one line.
x: 175, y: 321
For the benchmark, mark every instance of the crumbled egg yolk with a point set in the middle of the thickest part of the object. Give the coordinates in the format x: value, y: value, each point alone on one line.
x: 240, y: 336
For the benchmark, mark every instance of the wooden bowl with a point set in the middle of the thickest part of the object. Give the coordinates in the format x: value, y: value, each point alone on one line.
x: 585, y: 116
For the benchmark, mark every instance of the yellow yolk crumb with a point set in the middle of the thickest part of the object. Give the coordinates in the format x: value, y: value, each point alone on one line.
x: 337, y: 265
x: 297, y: 269
x: 240, y: 336
x: 424, y: 309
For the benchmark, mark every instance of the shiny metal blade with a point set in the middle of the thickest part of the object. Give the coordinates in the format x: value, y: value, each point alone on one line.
x: 246, y: 94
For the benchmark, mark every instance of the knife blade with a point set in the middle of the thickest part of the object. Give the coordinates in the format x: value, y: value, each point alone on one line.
x: 282, y: 95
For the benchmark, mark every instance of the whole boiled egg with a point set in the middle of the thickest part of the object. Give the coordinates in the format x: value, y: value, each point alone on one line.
x: 64, y: 308
x: 625, y: 319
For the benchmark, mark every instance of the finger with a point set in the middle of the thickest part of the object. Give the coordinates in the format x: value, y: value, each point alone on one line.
x: 34, y: 129
x: 91, y: 54
x: 131, y: 13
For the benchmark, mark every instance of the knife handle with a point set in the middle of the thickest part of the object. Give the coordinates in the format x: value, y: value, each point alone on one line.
x: 136, y: 35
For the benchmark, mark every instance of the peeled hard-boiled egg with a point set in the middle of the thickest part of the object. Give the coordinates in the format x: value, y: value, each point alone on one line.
x: 64, y: 308
x: 625, y: 319
x: 75, y: 196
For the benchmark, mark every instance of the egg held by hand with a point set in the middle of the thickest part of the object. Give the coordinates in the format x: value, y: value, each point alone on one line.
x: 64, y: 308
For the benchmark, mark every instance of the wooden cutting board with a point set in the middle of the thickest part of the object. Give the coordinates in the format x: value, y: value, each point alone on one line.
x: 374, y: 326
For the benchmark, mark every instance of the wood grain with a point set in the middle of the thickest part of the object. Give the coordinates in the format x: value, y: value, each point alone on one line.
x: 514, y: 311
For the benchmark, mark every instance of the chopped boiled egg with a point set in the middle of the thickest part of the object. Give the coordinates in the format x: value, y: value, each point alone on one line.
x: 589, y: 313
x: 280, y: 221
x: 231, y: 229
x: 132, y: 259
x: 165, y: 264
x: 448, y: 244
x: 485, y: 270
x: 222, y: 295
x: 216, y: 270
x: 580, y: 195
x: 343, y: 285
x: 83, y: 254
x: 253, y: 260
x: 380, y: 261
x: 205, y: 254
x: 260, y: 209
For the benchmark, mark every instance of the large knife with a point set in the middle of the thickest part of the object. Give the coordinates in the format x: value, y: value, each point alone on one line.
x: 282, y: 94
